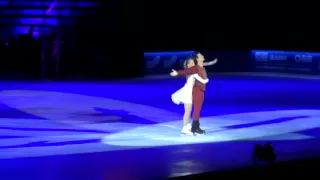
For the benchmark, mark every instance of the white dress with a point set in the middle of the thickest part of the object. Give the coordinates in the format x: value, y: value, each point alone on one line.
x: 184, y: 95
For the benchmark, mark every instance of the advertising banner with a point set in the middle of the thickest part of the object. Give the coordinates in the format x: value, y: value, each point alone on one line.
x: 157, y: 63
x: 288, y: 62
x: 160, y: 63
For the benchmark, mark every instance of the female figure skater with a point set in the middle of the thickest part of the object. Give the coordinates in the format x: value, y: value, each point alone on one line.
x: 184, y: 95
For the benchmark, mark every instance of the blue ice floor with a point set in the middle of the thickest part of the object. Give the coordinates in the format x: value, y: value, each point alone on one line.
x: 130, y: 129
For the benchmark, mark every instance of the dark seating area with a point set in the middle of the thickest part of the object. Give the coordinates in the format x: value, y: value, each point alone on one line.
x: 30, y: 44
x: 20, y: 58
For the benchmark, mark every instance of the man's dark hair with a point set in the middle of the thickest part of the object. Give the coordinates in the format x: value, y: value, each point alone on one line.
x: 195, y: 55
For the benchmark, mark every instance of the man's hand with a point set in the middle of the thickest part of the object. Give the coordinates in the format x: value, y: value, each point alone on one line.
x: 213, y: 62
x: 174, y: 73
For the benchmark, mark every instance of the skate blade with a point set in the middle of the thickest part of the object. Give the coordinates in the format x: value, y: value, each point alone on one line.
x: 196, y: 134
x: 185, y: 134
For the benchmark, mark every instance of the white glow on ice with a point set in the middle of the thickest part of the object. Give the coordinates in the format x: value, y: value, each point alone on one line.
x: 56, y: 107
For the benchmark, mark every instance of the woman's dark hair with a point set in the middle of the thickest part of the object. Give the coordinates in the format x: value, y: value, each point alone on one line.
x: 186, y: 62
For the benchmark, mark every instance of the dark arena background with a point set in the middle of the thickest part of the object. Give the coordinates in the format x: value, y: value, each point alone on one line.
x: 85, y: 93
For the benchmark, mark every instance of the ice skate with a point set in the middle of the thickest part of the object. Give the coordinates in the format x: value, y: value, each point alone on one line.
x: 196, y: 130
x: 186, y: 131
x: 189, y: 126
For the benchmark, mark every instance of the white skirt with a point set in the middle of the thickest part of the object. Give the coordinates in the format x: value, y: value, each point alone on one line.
x: 182, y: 96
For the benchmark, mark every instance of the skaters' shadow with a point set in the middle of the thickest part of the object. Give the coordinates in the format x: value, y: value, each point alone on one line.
x: 48, y: 144
x: 122, y: 116
x: 250, y: 125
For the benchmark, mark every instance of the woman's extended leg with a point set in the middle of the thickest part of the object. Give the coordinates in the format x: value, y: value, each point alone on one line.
x: 186, y: 130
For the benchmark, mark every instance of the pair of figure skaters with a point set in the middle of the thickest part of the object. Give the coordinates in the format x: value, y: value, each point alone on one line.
x: 192, y: 93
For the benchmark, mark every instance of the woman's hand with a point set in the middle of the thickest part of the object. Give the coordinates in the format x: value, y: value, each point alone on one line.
x: 173, y: 73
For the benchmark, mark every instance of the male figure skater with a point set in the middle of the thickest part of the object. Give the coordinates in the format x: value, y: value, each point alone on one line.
x: 198, y: 89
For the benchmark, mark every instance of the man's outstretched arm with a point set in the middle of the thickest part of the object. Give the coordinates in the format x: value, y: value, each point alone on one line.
x: 210, y: 63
